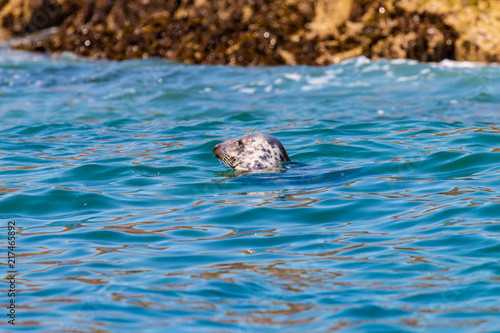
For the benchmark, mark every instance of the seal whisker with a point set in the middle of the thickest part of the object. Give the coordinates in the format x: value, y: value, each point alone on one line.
x: 227, y: 160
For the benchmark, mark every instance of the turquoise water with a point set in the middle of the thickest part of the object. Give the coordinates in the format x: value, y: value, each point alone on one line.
x: 388, y: 219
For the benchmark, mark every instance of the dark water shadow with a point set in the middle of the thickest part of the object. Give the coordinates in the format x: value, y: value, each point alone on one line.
x: 295, y: 175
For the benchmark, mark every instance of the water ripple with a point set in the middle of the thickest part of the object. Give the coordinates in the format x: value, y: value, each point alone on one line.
x: 387, y: 219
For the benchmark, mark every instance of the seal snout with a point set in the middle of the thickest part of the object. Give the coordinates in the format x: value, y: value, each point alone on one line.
x: 222, y: 155
x: 218, y: 150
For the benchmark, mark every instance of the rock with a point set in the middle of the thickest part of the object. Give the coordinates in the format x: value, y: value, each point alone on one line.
x: 329, y: 16
x: 259, y: 32
x: 21, y: 17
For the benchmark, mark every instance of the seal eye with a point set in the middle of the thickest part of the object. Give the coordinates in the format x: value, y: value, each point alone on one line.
x: 240, y: 143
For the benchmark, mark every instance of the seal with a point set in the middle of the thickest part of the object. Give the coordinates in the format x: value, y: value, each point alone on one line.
x: 252, y: 152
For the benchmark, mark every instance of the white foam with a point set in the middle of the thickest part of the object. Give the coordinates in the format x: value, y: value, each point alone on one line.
x: 408, y: 62
x: 237, y: 87
x: 326, y: 79
x: 16, y: 57
x: 358, y: 84
x: 249, y: 91
x: 371, y: 68
x: 308, y: 88
x: 361, y: 61
x: 293, y: 76
x: 316, y: 81
x: 407, y: 78
x: 446, y: 63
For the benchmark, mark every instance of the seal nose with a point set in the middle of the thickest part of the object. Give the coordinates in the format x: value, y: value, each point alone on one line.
x: 216, y: 149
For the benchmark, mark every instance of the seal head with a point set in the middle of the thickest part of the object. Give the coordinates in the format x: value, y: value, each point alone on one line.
x: 252, y: 152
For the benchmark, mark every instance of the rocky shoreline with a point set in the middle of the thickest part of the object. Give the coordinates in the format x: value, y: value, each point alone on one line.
x: 257, y: 32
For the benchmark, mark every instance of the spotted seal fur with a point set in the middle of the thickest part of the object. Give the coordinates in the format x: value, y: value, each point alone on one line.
x: 252, y: 152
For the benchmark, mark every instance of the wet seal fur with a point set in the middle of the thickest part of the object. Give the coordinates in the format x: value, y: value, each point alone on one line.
x: 252, y: 152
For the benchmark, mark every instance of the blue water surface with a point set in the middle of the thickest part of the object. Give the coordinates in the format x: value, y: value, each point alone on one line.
x: 387, y: 221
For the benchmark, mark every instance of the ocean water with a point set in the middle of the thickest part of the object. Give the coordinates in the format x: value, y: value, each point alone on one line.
x: 388, y: 219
